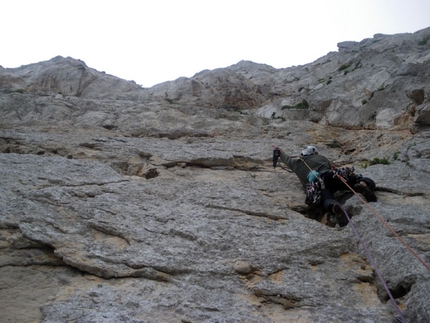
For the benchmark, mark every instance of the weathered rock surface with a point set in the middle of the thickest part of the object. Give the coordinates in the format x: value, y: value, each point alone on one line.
x: 125, y: 204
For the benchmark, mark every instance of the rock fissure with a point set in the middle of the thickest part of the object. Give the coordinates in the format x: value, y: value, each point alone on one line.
x: 398, y: 192
x: 247, y: 212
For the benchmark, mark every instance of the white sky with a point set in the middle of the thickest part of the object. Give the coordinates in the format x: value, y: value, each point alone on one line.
x: 152, y: 41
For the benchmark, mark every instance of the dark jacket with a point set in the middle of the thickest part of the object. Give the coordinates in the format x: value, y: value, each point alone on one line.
x: 315, y: 162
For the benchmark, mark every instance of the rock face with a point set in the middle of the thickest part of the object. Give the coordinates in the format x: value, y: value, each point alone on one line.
x: 128, y: 204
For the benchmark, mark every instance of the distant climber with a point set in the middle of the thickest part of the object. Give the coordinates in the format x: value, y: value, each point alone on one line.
x: 321, y: 180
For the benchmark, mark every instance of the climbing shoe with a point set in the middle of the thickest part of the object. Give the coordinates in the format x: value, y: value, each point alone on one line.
x: 366, y: 192
x: 339, y: 213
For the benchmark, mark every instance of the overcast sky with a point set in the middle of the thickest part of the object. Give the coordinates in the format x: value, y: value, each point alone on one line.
x: 152, y: 41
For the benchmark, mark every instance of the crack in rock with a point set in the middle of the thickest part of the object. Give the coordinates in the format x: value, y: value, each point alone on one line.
x: 247, y: 212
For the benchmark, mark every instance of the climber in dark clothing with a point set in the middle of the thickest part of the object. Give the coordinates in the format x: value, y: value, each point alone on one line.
x: 321, y: 181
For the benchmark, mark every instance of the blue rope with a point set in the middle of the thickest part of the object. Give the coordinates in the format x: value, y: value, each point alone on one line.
x: 372, y: 262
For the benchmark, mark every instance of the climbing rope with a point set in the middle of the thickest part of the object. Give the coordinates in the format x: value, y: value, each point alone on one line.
x: 372, y: 262
x: 366, y: 250
x: 376, y: 214
x: 401, y: 317
x: 385, y: 223
x: 364, y: 245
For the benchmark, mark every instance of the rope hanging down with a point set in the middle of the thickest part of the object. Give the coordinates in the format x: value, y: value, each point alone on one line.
x: 385, y: 224
x: 366, y: 250
x: 372, y: 262
x: 379, y: 218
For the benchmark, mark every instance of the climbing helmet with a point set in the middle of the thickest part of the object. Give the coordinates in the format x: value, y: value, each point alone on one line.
x: 310, y: 150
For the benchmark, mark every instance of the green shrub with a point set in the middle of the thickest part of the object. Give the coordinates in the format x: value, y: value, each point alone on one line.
x: 375, y: 161
x: 383, y: 161
x: 302, y: 105
x: 344, y: 67
x: 424, y: 41
x: 232, y: 107
x: 364, y: 165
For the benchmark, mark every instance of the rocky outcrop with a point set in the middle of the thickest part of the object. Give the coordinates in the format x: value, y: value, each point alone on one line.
x: 121, y: 203
x: 64, y: 76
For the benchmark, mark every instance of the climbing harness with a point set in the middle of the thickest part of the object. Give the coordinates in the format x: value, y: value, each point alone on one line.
x: 313, y: 193
x: 313, y: 187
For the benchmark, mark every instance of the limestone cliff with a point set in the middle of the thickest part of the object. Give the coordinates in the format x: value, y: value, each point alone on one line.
x: 128, y: 204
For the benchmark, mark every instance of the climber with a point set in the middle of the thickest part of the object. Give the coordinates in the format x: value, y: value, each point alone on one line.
x: 321, y: 181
